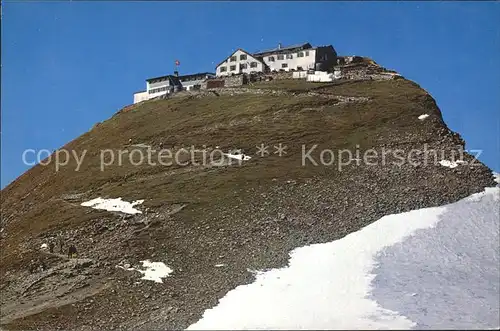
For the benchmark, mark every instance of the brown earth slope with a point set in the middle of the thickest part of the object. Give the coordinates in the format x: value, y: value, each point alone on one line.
x: 198, y: 215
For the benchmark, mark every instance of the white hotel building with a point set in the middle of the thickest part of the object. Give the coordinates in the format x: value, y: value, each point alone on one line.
x: 291, y: 58
x: 166, y: 84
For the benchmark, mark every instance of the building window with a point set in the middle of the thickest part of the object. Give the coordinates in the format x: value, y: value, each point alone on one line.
x: 232, y: 68
x: 233, y: 58
x: 307, y: 53
x: 243, y: 57
x: 289, y: 56
x: 281, y: 57
x: 253, y: 64
x: 271, y: 59
x: 299, y: 68
x: 300, y: 54
x: 284, y: 65
x: 222, y: 69
x: 243, y: 66
x: 156, y: 90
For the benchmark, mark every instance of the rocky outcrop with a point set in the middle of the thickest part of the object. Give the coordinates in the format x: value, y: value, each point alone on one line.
x: 364, y: 71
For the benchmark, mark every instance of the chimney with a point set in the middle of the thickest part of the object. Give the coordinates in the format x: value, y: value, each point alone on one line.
x: 176, y: 73
x: 279, y: 45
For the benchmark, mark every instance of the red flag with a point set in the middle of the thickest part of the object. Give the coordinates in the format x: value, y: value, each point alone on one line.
x: 177, y: 62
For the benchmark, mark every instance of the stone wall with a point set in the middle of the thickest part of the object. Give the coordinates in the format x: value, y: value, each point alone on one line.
x: 211, y: 83
x: 226, y: 81
x: 281, y: 75
x: 236, y: 80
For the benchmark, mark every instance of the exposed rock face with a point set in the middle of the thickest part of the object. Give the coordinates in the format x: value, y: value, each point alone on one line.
x: 197, y: 215
x: 364, y: 71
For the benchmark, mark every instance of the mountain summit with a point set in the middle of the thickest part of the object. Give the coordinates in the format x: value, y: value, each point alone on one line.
x: 171, y: 203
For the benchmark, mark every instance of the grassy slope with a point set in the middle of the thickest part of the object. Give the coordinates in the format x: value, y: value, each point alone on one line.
x: 186, y: 122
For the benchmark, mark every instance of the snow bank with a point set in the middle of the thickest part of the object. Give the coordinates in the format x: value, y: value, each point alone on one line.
x: 423, y: 117
x: 325, y: 286
x: 453, y: 270
x: 114, y: 205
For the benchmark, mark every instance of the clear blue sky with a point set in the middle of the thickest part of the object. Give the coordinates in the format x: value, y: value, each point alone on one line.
x: 68, y: 65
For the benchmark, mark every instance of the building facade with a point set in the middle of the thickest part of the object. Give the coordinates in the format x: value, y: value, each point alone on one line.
x: 162, y: 85
x: 141, y: 96
x: 297, y: 57
x: 194, y: 81
x: 240, y: 62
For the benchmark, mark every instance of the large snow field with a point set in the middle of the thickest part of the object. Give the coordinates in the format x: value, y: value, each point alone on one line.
x: 428, y: 268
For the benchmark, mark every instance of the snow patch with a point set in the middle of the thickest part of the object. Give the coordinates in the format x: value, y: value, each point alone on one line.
x: 238, y: 156
x: 497, y: 177
x: 220, y: 265
x: 154, y: 271
x: 451, y: 164
x: 423, y: 117
x: 114, y: 205
x: 44, y: 246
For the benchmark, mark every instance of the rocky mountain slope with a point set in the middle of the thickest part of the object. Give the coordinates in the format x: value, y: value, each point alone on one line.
x: 215, y: 220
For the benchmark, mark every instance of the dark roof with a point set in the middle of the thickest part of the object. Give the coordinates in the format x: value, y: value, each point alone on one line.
x: 154, y: 78
x: 180, y: 76
x: 284, y: 49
